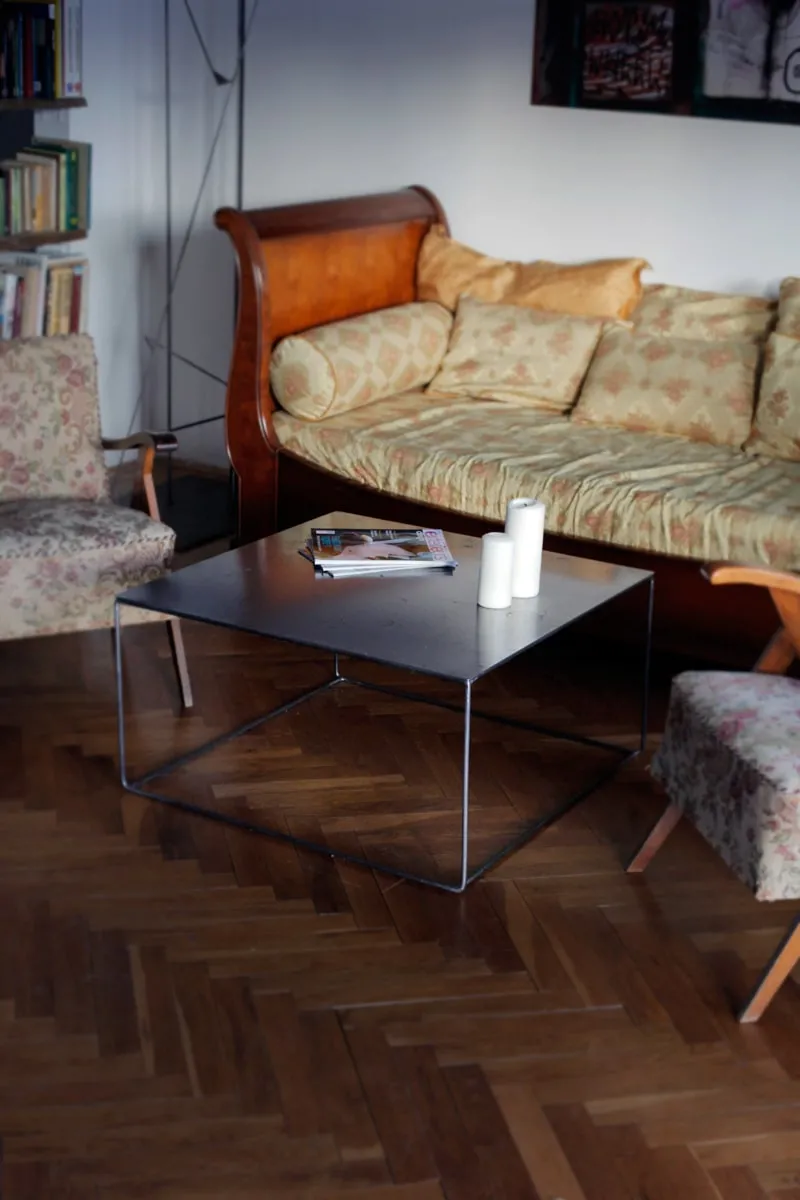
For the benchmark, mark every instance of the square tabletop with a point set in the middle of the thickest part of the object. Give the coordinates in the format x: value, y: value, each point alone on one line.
x: 428, y: 621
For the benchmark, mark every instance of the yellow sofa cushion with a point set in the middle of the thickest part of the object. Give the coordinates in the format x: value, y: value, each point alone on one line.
x: 500, y: 352
x: 700, y: 390
x: 789, y: 308
x: 705, y: 316
x: 447, y: 270
x: 347, y: 364
x: 660, y: 494
x: 776, y: 431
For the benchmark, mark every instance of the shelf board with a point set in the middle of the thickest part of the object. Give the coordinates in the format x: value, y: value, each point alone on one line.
x: 28, y: 105
x: 30, y: 241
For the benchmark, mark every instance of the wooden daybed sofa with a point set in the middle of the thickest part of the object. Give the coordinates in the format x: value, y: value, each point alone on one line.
x: 307, y: 265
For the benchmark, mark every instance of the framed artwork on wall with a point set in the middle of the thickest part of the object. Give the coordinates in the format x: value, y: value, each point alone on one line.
x: 718, y: 58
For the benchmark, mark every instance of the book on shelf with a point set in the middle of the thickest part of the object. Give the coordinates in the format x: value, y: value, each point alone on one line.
x: 46, y: 188
x: 351, y: 552
x: 43, y: 294
x: 41, y: 50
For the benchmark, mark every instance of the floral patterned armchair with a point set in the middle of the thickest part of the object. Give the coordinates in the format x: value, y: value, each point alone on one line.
x: 730, y: 761
x: 65, y: 549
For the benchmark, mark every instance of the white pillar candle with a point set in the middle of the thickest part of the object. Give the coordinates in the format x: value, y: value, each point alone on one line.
x: 497, y: 560
x: 525, y: 527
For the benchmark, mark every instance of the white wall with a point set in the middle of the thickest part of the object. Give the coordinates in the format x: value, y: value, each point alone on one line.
x: 348, y: 96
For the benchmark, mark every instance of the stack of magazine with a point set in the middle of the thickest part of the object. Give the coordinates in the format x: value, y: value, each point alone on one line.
x: 346, y: 553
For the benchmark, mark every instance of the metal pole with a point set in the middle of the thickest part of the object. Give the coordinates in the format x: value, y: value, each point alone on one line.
x: 168, y: 231
x: 241, y: 38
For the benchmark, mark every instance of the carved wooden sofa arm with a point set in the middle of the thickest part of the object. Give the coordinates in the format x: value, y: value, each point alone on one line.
x: 150, y: 444
x: 784, y: 588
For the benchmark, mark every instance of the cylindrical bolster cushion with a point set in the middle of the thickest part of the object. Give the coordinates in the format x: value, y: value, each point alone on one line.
x: 348, y: 364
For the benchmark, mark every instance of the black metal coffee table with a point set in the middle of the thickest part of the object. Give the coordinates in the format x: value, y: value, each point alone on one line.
x: 428, y: 623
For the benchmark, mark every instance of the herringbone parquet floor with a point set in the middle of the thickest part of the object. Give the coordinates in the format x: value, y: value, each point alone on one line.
x: 190, y: 1012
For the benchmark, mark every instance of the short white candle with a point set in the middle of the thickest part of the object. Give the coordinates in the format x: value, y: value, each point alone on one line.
x: 497, y: 560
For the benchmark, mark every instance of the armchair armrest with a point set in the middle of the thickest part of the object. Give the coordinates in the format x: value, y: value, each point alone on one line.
x: 781, y: 581
x: 144, y: 440
x: 784, y: 588
x: 149, y: 444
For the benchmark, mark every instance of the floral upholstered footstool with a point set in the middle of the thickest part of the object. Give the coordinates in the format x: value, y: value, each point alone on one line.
x: 730, y: 762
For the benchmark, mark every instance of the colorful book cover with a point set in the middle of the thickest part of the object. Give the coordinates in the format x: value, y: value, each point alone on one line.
x: 346, y: 548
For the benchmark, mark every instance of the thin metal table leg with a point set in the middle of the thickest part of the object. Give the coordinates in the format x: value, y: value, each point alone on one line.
x: 123, y: 768
x: 465, y: 786
x: 646, y: 671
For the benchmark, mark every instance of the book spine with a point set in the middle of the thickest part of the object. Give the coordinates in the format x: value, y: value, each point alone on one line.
x: 18, y: 303
x: 73, y: 83
x: 75, y: 309
x: 58, y: 6
x: 9, y: 305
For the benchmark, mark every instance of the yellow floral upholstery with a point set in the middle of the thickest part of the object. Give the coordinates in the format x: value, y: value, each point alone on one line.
x: 789, y: 308
x: 704, y: 316
x: 65, y: 549
x: 347, y: 364
x: 498, y: 352
x: 661, y: 494
x: 695, y: 389
x: 776, y: 430
x: 49, y: 419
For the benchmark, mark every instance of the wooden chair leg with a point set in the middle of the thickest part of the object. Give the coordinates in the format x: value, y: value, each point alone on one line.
x: 783, y: 963
x: 175, y: 635
x: 655, y: 839
x: 778, y: 656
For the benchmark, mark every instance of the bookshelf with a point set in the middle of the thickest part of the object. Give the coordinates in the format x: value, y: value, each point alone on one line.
x: 31, y: 241
x: 42, y: 105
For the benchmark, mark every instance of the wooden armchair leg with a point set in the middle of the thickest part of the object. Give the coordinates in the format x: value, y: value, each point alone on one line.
x: 655, y: 839
x: 783, y: 963
x: 175, y: 635
x: 778, y: 656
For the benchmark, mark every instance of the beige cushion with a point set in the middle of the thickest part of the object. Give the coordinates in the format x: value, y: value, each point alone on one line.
x: 776, y: 431
x: 705, y: 316
x: 50, y: 419
x: 501, y: 352
x: 350, y: 363
x: 609, y: 287
x: 446, y: 270
x: 695, y: 389
x: 789, y: 308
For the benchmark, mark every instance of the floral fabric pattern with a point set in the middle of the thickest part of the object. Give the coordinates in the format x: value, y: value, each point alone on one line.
x: 348, y: 364
x: 661, y: 494
x: 789, y: 308
x: 62, y: 562
x: 776, y: 431
x: 730, y: 759
x: 49, y: 419
x: 700, y: 390
x: 499, y: 352
x: 668, y: 311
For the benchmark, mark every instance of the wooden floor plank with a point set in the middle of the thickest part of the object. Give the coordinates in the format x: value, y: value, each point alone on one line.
x: 189, y: 1011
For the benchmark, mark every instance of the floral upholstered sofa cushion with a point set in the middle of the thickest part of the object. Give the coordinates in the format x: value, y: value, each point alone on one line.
x: 669, y: 311
x: 701, y: 390
x: 667, y: 495
x: 500, y: 352
x: 776, y: 430
x: 730, y: 759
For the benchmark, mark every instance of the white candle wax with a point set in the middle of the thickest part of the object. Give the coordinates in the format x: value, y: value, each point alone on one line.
x: 497, y: 560
x: 525, y: 527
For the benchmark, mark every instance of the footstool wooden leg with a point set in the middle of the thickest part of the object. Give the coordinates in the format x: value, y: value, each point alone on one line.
x: 175, y: 635
x: 783, y: 963
x: 655, y: 839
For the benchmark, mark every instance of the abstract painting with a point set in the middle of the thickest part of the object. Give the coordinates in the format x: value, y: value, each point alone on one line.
x: 720, y: 58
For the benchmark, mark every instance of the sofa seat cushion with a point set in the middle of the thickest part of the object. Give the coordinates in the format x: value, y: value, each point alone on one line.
x: 62, y: 562
x: 730, y: 759
x: 644, y: 491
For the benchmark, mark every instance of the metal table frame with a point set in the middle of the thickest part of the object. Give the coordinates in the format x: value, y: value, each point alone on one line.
x: 621, y: 755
